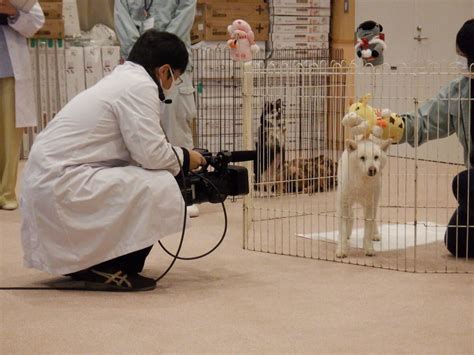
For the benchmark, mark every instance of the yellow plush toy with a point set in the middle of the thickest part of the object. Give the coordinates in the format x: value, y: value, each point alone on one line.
x: 364, y: 121
x: 394, y: 128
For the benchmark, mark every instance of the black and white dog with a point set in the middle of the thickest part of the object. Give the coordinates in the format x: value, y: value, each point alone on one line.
x: 270, y: 145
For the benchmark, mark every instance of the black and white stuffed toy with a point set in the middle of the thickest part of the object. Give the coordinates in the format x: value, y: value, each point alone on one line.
x: 370, y: 43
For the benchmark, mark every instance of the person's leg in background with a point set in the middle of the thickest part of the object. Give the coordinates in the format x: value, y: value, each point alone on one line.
x: 178, y: 119
x: 10, y: 144
x: 178, y: 116
x: 459, y: 238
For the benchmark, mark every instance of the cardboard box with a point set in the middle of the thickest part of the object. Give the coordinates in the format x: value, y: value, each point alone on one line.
x: 228, y: 12
x: 110, y: 59
x: 61, y: 61
x: 92, y: 65
x: 300, y: 28
x: 52, y: 80
x: 299, y: 44
x: 300, y: 20
x: 43, y: 86
x: 299, y: 37
x: 299, y: 11
x: 226, y: 2
x: 52, y: 10
x: 217, y: 31
x: 196, y: 36
x: 26, y: 143
x: 301, y: 3
x: 71, y: 19
x: 51, y: 29
x: 75, y: 79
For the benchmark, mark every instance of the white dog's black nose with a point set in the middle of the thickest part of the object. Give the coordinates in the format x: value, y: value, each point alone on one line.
x: 372, y: 171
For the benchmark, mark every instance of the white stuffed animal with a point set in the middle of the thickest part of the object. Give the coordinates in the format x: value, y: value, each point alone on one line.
x: 242, y: 41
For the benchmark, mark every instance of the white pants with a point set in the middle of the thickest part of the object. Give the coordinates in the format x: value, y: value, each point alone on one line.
x: 177, y: 117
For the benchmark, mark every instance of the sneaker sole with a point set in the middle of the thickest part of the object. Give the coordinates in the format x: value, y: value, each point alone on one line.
x: 96, y: 286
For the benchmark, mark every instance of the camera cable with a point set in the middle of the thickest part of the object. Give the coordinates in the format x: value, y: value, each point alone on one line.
x: 176, y: 256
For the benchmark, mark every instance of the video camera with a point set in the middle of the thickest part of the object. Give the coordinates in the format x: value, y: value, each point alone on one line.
x: 225, y: 180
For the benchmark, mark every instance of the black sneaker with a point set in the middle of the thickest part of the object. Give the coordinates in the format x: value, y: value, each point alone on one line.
x: 96, y: 280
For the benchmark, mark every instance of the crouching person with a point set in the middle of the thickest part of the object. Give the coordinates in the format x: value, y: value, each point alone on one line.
x: 452, y: 112
x: 98, y: 189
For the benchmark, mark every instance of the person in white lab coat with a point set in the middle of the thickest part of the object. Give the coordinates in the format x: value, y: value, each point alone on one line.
x: 98, y: 189
x: 132, y: 18
x: 17, y: 101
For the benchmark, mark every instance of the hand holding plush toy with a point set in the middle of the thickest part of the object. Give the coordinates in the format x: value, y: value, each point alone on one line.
x: 364, y: 120
x: 242, y: 41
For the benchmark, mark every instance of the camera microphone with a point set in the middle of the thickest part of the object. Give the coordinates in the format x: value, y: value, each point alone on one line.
x: 243, y: 155
x: 162, y: 96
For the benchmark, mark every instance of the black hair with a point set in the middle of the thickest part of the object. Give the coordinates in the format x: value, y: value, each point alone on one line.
x: 154, y: 49
x: 465, y: 40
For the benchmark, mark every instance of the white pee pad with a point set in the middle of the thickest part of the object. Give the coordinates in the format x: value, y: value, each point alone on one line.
x: 393, y: 236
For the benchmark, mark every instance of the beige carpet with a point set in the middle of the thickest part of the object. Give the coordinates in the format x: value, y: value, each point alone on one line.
x: 238, y: 301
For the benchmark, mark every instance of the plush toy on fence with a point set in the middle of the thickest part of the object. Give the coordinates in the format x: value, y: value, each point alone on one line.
x: 370, y: 43
x: 242, y: 41
x: 364, y: 120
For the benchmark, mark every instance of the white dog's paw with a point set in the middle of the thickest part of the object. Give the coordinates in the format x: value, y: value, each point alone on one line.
x: 341, y: 252
x: 369, y: 251
x: 376, y: 237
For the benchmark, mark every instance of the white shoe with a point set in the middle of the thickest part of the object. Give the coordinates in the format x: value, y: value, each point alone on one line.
x: 193, y: 211
x: 13, y: 205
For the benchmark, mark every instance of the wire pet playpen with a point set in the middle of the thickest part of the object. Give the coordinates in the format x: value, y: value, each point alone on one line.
x: 416, y: 202
x: 288, y: 107
x: 218, y: 83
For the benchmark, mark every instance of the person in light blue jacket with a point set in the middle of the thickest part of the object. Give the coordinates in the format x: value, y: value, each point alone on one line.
x: 450, y: 112
x: 132, y: 18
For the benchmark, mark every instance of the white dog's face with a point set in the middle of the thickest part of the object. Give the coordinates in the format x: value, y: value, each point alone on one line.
x: 366, y: 156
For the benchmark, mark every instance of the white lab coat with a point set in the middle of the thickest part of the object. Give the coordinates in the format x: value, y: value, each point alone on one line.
x: 27, y: 24
x: 99, y: 180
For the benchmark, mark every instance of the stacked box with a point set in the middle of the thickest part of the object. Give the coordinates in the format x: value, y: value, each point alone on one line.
x: 60, y: 73
x: 214, y: 16
x: 75, y: 73
x: 53, y: 27
x: 218, y: 97
x: 300, y: 24
x: 71, y: 19
x: 110, y: 59
x: 92, y: 65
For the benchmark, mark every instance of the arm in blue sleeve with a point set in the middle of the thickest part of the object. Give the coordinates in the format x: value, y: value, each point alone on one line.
x: 435, y: 119
x: 183, y: 20
x: 127, y: 33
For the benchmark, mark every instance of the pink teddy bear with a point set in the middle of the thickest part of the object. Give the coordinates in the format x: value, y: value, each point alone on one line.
x: 242, y: 43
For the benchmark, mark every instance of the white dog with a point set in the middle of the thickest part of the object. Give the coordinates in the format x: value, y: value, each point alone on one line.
x: 360, y: 181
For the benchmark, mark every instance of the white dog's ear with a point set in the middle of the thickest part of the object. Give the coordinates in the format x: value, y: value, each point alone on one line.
x: 351, y: 145
x: 385, y: 144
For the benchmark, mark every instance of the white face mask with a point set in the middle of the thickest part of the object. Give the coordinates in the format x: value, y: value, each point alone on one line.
x: 461, y: 62
x: 168, y: 92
